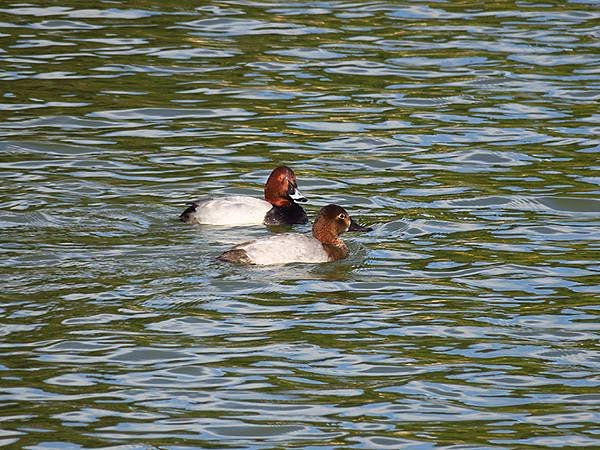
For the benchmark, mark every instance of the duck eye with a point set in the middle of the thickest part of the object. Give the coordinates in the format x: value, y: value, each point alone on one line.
x: 342, y: 216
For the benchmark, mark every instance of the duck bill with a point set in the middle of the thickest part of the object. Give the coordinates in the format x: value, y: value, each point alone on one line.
x: 357, y: 227
x: 295, y: 194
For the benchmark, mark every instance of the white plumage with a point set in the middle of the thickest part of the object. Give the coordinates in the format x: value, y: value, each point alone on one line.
x: 234, y: 210
x: 285, y: 248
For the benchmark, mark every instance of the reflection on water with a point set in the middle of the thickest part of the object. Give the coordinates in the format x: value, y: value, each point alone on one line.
x: 465, y: 135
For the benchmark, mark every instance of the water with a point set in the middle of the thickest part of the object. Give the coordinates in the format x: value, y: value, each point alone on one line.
x: 466, y: 135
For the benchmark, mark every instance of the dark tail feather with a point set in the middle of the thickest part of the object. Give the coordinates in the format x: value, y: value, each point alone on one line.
x: 235, y: 255
x: 185, y: 215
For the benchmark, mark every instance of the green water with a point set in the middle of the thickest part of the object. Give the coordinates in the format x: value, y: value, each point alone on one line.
x: 465, y: 134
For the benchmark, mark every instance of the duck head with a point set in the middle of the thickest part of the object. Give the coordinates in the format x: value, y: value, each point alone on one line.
x: 281, y: 188
x: 331, y: 222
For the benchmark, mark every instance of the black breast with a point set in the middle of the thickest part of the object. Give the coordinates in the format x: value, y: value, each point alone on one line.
x: 286, y: 215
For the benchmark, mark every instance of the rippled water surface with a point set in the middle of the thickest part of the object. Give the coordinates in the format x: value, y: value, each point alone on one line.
x: 466, y: 135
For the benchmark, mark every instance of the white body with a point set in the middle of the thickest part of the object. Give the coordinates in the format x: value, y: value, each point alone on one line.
x: 285, y: 248
x: 234, y: 210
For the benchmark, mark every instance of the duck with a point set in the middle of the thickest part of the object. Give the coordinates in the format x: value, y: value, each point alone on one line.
x: 325, y: 244
x: 278, y: 208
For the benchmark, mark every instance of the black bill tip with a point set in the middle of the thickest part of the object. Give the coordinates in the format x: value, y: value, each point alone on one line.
x: 357, y: 227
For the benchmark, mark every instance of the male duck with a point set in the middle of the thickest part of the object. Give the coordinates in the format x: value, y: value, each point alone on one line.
x: 278, y: 208
x: 325, y: 244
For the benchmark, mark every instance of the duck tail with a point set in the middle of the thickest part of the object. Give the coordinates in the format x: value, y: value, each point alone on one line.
x: 236, y: 255
x: 186, y: 215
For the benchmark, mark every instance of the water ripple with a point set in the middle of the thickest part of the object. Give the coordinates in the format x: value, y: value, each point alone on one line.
x: 465, y: 136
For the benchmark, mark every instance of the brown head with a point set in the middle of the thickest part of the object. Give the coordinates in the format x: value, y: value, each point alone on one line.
x: 332, y: 221
x: 281, y: 188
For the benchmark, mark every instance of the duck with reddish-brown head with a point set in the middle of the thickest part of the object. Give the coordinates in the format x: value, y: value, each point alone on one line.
x: 278, y: 208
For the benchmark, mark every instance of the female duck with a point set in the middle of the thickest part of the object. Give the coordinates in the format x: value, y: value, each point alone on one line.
x: 278, y: 208
x: 325, y: 244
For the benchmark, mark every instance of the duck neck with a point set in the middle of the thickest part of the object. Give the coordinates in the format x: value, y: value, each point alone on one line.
x: 336, y: 252
x: 326, y: 235
x: 333, y: 245
x: 275, y: 197
x: 278, y: 202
